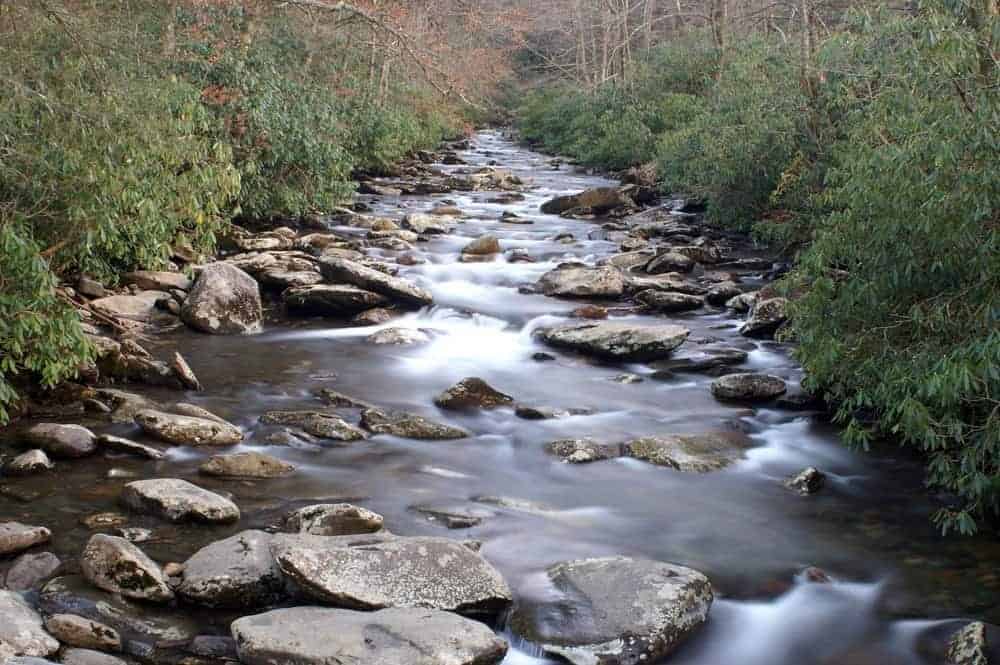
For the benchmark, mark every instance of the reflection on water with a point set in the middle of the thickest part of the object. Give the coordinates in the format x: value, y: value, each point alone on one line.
x: 868, y: 529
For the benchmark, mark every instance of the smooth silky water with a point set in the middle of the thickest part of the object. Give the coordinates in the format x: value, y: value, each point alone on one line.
x: 894, y: 578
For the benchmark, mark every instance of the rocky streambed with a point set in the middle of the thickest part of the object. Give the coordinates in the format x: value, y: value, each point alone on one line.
x: 501, y: 411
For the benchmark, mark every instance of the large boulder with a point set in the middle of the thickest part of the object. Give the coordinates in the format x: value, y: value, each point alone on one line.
x: 748, y: 387
x: 617, y: 340
x: 246, y: 465
x: 224, y: 301
x: 31, y: 569
x: 74, y: 656
x: 408, y: 426
x: 579, y: 281
x: 116, y: 565
x: 187, y: 430
x: 177, y: 501
x: 336, y: 269
x: 15, y: 537
x: 375, y: 572
x: 332, y: 300
x: 61, y: 440
x: 597, y: 200
x: 668, y: 301
x: 698, y: 453
x: 333, y: 519
x: 21, y: 629
x: 766, y: 317
x: 238, y: 572
x: 472, y: 393
x: 303, y: 636
x: 615, y: 610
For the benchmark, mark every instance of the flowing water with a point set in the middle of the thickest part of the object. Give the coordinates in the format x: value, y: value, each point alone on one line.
x: 894, y: 578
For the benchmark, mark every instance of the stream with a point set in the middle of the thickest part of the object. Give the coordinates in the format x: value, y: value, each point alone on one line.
x: 895, y: 584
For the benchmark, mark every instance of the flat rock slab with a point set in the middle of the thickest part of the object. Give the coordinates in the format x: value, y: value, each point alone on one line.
x: 21, y: 628
x: 178, y: 500
x: 408, y: 426
x: 376, y: 573
x: 617, y: 341
x: 337, y: 269
x: 187, y: 430
x: 332, y: 300
x: 696, y: 453
x: 246, y: 465
x: 140, y: 307
x: 116, y: 565
x: 15, y: 537
x: 89, y: 657
x: 456, y: 516
x: 320, y: 636
x: 615, y: 610
x: 128, y: 446
x: 321, y: 425
x: 238, y: 572
x: 158, y: 280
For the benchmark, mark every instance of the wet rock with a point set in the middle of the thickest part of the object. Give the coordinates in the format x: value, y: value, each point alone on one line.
x: 815, y: 575
x: 152, y: 280
x: 100, y: 521
x: 472, y: 393
x: 123, y: 445
x: 430, y: 573
x: 968, y: 645
x: 455, y: 517
x: 238, y: 572
x: 398, y: 337
x: 599, y: 200
x: 21, y: 630
x: 374, y: 317
x: 77, y: 631
x: 187, y: 430
x: 214, y: 646
x: 184, y: 373
x: 322, y: 425
x: 124, y: 405
x: 617, y: 341
x: 615, y: 611
x: 116, y: 565
x: 485, y: 245
x: 582, y: 451
x: 579, y: 281
x: 592, y: 312
x: 69, y: 441
x: 178, y: 500
x: 89, y: 657
x: 748, y: 387
x: 806, y: 482
x: 29, y: 463
x: 722, y: 293
x: 144, y: 622
x: 193, y: 411
x: 408, y: 426
x: 135, y: 534
x: 246, y: 465
x: 627, y: 379
x: 514, y: 503
x: 333, y: 519
x: 667, y: 301
x: 140, y: 307
x: 766, y: 317
x: 15, y: 537
x: 342, y: 270
x: 224, y: 301
x: 301, y: 636
x: 696, y: 453
x: 31, y: 569
x: 339, y: 399
x: 668, y: 282
x: 742, y: 303
x: 702, y: 361
x: 331, y: 300
x: 426, y: 224
x: 669, y: 262
x: 528, y: 412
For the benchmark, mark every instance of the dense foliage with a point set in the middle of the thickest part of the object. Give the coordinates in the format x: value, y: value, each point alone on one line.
x: 874, y: 162
x: 129, y: 127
